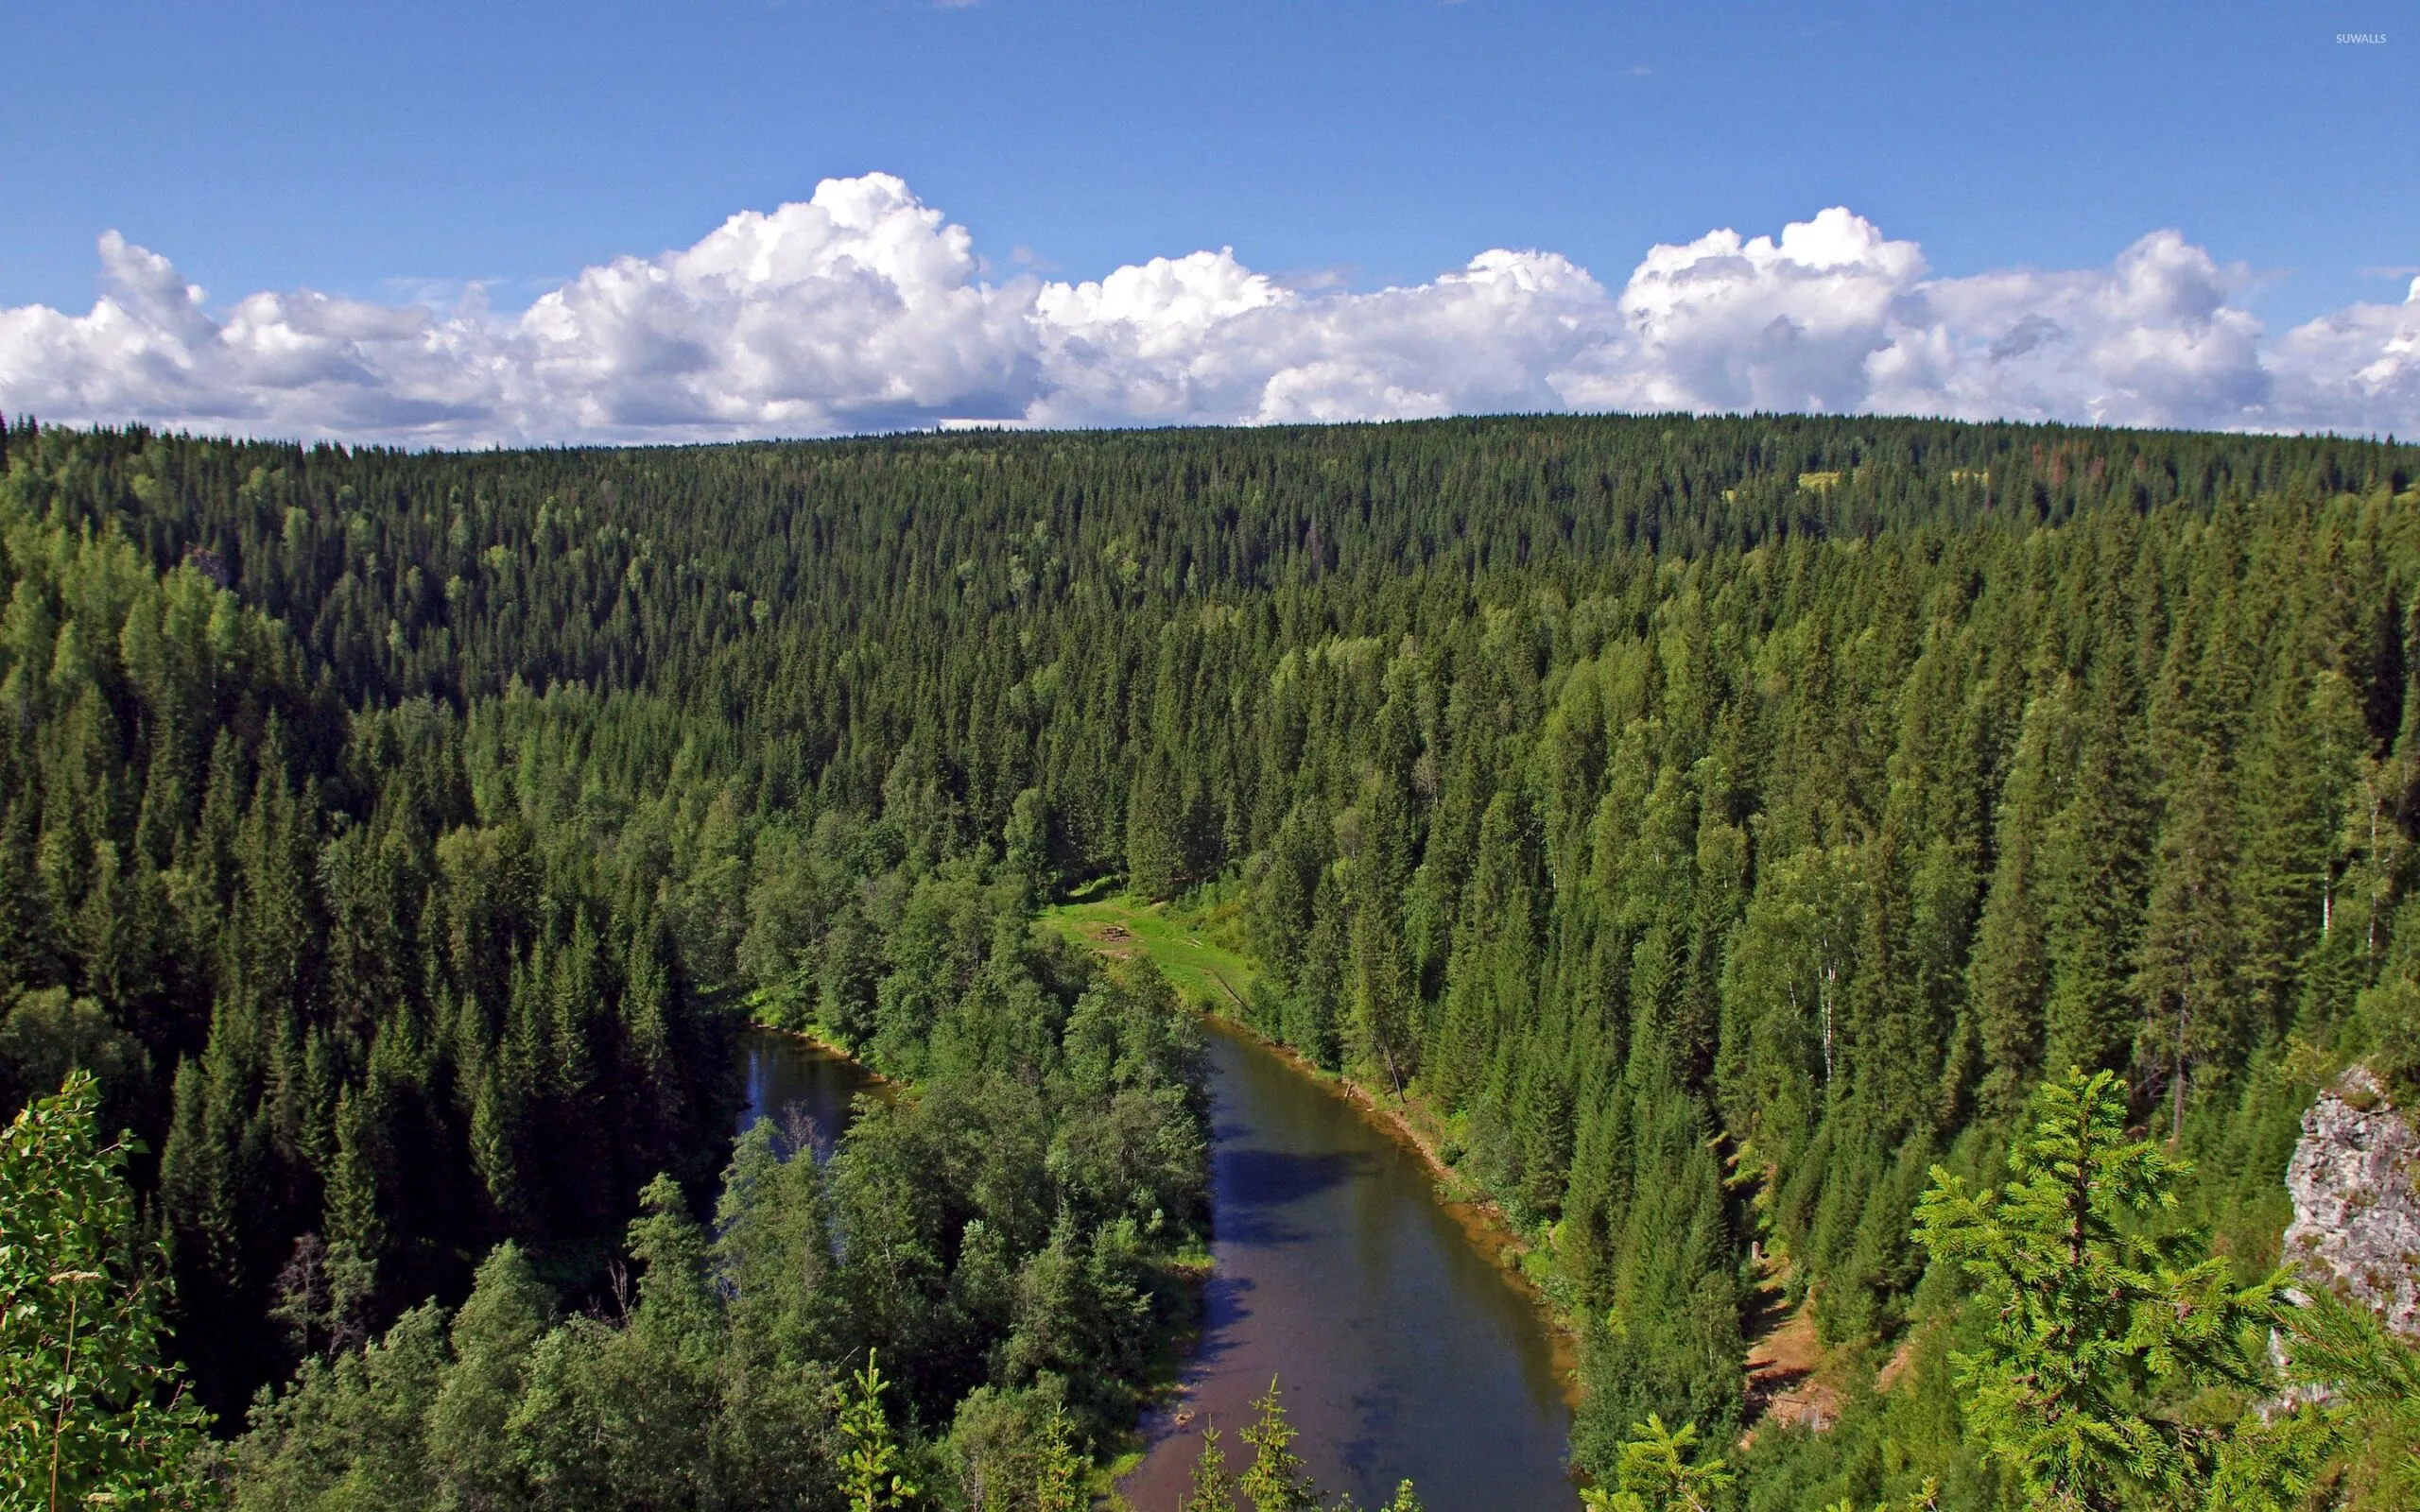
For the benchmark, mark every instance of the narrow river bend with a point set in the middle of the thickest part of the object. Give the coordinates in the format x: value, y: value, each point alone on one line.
x: 782, y: 1073
x: 1402, y: 1349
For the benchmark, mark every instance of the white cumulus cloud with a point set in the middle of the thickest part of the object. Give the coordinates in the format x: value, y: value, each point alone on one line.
x: 865, y: 309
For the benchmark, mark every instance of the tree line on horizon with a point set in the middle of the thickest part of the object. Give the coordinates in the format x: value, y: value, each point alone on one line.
x: 1722, y: 822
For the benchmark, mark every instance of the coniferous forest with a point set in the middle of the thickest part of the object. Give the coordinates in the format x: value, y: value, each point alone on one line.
x: 1736, y: 830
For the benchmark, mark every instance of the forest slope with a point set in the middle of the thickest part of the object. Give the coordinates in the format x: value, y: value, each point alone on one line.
x: 1723, y: 820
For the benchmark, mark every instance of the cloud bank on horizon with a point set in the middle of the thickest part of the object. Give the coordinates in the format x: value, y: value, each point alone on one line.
x: 863, y: 309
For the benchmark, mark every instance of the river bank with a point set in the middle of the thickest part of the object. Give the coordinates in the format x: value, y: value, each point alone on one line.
x: 822, y: 1044
x: 1347, y: 1261
x: 1415, y: 1126
x: 1206, y: 975
x: 1403, y: 1348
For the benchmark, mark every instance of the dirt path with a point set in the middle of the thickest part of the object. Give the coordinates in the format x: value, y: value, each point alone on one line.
x: 1789, y: 1377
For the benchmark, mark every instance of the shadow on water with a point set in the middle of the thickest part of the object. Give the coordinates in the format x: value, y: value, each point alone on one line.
x: 1225, y: 1317
x: 1255, y: 1186
x: 1403, y: 1350
x: 800, y: 1083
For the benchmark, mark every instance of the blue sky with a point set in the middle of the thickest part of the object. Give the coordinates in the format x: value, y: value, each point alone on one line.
x: 393, y: 153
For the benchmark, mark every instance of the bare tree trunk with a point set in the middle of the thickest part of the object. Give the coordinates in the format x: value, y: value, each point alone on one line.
x: 2176, y: 1127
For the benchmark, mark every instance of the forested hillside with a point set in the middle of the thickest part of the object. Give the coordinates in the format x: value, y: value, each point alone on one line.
x: 1722, y: 820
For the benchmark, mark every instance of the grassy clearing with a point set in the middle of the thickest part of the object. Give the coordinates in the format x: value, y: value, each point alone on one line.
x: 1193, y: 947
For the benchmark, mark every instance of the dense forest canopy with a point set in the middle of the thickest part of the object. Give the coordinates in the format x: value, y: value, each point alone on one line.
x: 1723, y: 821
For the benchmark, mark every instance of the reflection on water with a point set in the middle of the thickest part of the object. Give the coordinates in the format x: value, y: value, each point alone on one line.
x: 797, y: 1078
x: 1403, y: 1350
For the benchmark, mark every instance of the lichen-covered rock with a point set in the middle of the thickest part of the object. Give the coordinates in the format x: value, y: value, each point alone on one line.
x: 2357, y: 1210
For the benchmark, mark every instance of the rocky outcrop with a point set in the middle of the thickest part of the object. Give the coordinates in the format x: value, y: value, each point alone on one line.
x: 2357, y: 1210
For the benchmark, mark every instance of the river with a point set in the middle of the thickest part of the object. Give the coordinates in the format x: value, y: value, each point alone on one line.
x: 782, y: 1073
x: 1402, y: 1349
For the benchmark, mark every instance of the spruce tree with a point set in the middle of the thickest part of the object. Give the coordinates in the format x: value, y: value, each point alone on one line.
x: 2189, y: 980
x: 2099, y: 862
x: 873, y: 1475
x: 2095, y: 1322
x: 1276, y: 1480
x: 2008, y: 975
x: 1211, y: 1488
